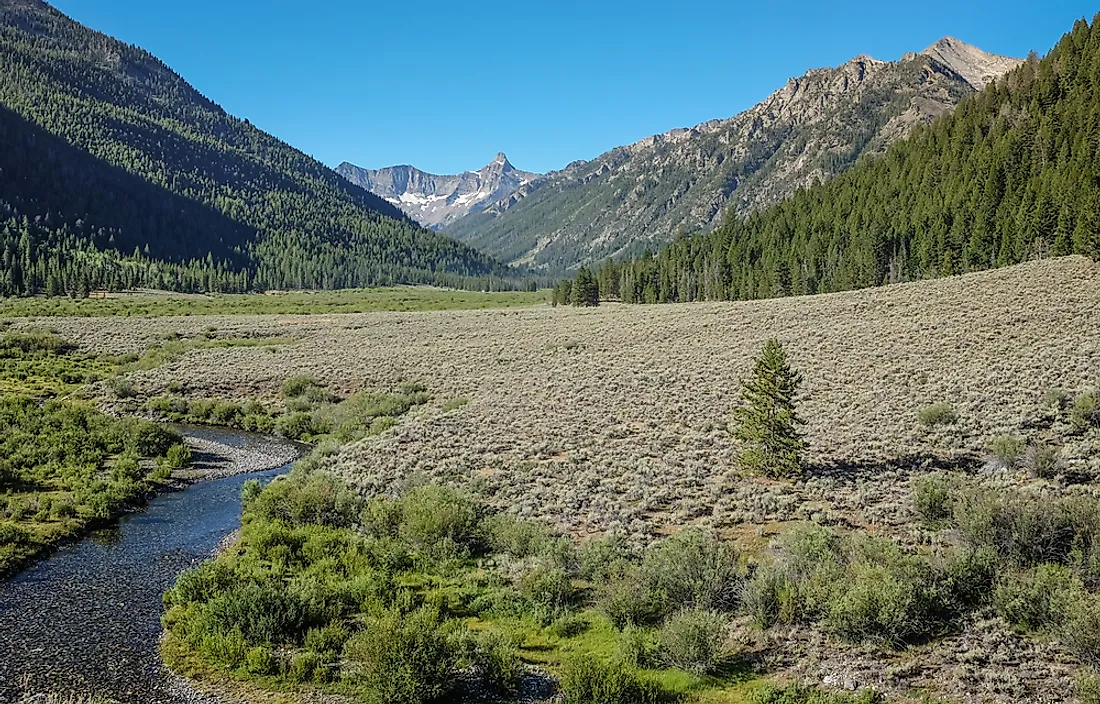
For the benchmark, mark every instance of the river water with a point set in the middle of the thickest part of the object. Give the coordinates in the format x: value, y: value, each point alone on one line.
x: 87, y: 619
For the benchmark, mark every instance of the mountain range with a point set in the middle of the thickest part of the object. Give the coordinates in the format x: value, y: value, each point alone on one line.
x: 1010, y: 176
x: 436, y: 201
x: 117, y: 173
x: 687, y: 180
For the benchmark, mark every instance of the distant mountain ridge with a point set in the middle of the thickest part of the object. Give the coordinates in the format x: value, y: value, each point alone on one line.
x: 686, y: 180
x: 117, y: 173
x: 435, y: 201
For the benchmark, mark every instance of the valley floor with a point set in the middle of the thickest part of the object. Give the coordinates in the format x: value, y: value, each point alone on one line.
x: 615, y: 419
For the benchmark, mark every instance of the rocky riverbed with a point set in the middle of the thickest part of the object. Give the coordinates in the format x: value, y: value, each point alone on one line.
x: 87, y: 619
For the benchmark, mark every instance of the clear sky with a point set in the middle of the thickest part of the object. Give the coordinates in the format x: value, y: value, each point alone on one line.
x: 445, y: 85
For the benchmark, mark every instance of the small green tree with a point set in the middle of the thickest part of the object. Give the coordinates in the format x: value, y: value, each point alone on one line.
x: 586, y: 289
x: 767, y: 424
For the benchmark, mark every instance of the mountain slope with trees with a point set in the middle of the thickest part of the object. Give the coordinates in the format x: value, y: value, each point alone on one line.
x: 115, y: 173
x: 685, y: 181
x: 1012, y: 175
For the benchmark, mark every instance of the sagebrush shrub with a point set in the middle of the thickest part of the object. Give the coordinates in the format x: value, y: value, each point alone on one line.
x: 937, y: 414
x: 589, y: 680
x: 1006, y: 450
x: 931, y: 499
x: 1039, y: 598
x: 403, y: 658
x: 694, y: 569
x: 495, y: 661
x: 694, y: 641
x: 1085, y: 413
x: 1041, y: 460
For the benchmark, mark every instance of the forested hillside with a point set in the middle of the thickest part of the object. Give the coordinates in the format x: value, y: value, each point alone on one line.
x: 685, y: 181
x: 116, y: 173
x: 1013, y: 174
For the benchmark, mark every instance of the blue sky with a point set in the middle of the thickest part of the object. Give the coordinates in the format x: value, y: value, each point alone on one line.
x: 446, y: 85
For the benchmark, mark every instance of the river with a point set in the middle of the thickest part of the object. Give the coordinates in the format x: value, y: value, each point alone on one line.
x: 87, y: 619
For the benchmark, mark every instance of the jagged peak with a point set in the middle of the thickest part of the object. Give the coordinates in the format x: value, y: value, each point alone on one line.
x: 976, y: 66
x: 501, y: 159
x: 950, y: 43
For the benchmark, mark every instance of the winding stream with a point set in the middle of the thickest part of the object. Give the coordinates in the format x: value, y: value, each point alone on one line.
x: 87, y: 619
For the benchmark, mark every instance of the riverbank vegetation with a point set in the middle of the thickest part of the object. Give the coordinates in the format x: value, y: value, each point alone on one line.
x: 428, y: 594
x: 308, y: 411
x: 65, y: 466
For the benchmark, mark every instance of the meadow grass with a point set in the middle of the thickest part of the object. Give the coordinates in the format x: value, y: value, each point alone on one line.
x: 401, y: 298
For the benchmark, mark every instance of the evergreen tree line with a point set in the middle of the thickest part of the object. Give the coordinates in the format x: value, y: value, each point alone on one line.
x: 1012, y: 175
x: 583, y: 290
x: 115, y: 173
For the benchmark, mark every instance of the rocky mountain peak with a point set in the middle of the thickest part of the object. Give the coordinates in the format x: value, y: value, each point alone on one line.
x: 976, y: 67
x: 437, y: 200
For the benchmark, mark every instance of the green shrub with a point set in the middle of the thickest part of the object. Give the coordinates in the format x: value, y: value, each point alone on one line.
x: 127, y: 469
x: 250, y: 492
x: 1023, y: 528
x: 297, y: 385
x: 260, y: 661
x: 1037, y: 599
x: 637, y: 647
x: 603, y: 558
x: 937, y: 414
x: 1080, y: 633
x: 432, y: 515
x: 227, y: 649
x: 1087, y: 686
x: 886, y: 603
x: 1085, y: 413
x: 262, y: 613
x: 589, y: 680
x: 694, y: 641
x: 693, y: 569
x: 308, y: 498
x: 1006, y: 451
x: 178, y: 457
x: 769, y: 597
x: 304, y: 667
x: 403, y: 659
x: 496, y: 664
x: 547, y: 588
x: 258, y: 423
x: 12, y: 535
x: 568, y: 626
x: 327, y: 641
x: 804, y: 694
x: 931, y: 499
x: 507, y: 535
x: 630, y: 600
x: 226, y: 413
x: 295, y: 426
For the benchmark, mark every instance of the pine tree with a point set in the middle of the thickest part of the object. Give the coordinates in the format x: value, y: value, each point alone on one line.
x: 767, y: 424
x: 586, y: 290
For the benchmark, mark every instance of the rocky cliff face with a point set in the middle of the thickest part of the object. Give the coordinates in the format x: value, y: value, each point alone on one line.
x: 686, y: 180
x: 435, y: 201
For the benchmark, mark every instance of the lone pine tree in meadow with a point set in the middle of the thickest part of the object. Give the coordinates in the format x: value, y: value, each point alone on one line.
x: 767, y: 424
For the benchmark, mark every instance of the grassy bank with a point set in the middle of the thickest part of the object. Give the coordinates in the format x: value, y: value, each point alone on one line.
x: 289, y: 302
x: 429, y: 595
x: 65, y: 467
